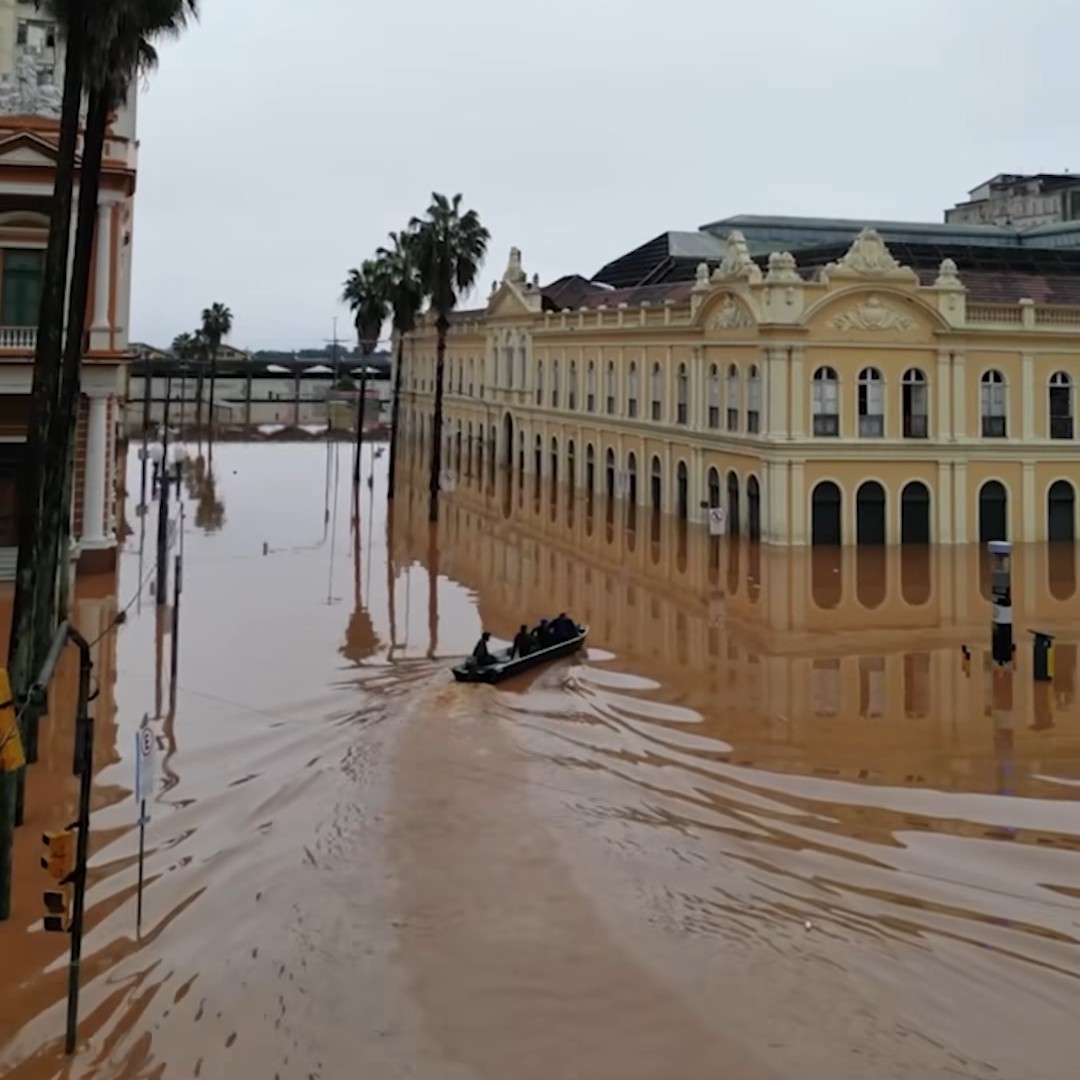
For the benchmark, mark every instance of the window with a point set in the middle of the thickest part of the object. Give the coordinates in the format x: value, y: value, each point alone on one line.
x: 825, y: 402
x: 714, y: 396
x: 572, y: 394
x: 733, y: 398
x: 554, y: 384
x: 508, y: 359
x: 20, y: 291
x: 914, y: 405
x: 609, y: 388
x: 657, y: 397
x: 992, y: 399
x: 460, y: 375
x: 539, y: 382
x: 871, y: 404
x: 523, y: 362
x: 590, y: 387
x: 753, y: 401
x: 1061, y: 419
x: 631, y: 390
x: 682, y: 393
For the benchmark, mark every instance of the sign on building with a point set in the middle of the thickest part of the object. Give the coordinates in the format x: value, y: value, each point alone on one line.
x: 717, y: 521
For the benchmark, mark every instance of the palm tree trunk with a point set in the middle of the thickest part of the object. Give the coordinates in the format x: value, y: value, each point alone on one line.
x: 441, y: 326
x: 34, y: 584
x: 199, y: 380
x: 395, y: 416
x: 361, y: 412
x: 61, y: 443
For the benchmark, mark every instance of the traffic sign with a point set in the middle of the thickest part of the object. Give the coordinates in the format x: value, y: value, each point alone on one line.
x: 717, y: 521
x: 145, y: 764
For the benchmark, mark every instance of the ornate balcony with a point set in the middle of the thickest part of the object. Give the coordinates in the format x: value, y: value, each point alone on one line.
x: 21, y: 339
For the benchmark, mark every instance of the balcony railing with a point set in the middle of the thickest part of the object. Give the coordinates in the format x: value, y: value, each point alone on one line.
x: 18, y: 338
x: 1061, y: 427
x: 871, y: 426
x: 993, y: 427
x: 827, y: 424
x: 915, y: 426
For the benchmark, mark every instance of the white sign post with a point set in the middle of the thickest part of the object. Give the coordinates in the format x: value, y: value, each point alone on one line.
x: 145, y: 779
x: 717, y: 521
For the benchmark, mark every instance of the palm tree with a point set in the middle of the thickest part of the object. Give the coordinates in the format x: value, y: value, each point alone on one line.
x: 403, y: 293
x: 185, y: 349
x: 449, y: 247
x: 363, y: 292
x: 216, y: 324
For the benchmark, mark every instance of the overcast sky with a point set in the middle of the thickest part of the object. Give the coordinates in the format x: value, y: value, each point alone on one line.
x: 282, y: 141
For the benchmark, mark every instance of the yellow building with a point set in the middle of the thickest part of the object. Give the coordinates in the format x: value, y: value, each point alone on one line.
x: 856, y: 401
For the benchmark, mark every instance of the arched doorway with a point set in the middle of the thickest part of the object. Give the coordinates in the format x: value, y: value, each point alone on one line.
x: 590, y: 469
x: 539, y: 462
x: 521, y: 452
x: 1061, y: 511
x: 554, y: 462
x: 915, y: 513
x: 993, y: 512
x: 825, y: 507
x: 714, y: 489
x: 571, y: 469
x: 609, y: 469
x: 656, y: 485
x: 682, y: 486
x: 733, y: 503
x: 508, y: 437
x: 870, y: 514
x: 753, y: 507
x: 457, y: 449
x: 631, y: 478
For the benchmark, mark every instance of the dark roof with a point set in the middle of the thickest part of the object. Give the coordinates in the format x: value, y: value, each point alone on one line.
x: 567, y: 292
x: 664, y: 258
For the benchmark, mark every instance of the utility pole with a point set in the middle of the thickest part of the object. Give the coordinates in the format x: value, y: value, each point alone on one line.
x: 164, y: 479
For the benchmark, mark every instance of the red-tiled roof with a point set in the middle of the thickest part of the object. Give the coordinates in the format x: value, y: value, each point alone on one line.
x: 1003, y: 287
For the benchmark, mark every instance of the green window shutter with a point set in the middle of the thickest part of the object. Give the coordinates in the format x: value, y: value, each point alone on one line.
x: 20, y: 290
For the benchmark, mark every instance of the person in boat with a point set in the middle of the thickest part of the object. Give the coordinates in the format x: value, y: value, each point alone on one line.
x: 523, y: 643
x: 564, y: 628
x: 482, y: 655
x: 542, y: 635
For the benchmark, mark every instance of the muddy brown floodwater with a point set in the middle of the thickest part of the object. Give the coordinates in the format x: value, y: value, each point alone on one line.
x: 770, y: 826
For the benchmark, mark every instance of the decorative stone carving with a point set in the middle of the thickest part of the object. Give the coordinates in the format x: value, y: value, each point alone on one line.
x: 737, y: 262
x: 782, y: 268
x: 701, y: 277
x: 947, y: 276
x: 872, y: 314
x: 31, y: 91
x: 869, y: 255
x: 730, y: 314
x: 514, y: 272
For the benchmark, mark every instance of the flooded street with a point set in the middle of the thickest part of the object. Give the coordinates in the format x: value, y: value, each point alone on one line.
x: 771, y: 826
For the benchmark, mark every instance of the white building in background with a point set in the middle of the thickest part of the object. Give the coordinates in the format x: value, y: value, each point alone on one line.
x: 31, y: 75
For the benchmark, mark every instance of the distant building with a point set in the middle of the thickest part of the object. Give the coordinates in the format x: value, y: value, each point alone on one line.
x: 1020, y: 201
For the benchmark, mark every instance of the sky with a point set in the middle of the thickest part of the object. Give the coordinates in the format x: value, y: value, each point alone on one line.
x: 281, y: 142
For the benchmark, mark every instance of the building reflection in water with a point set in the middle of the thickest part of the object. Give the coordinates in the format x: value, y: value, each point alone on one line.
x: 842, y: 659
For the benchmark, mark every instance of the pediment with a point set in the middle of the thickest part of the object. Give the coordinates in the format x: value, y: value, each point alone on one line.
x: 727, y: 312
x: 507, y: 301
x: 876, y: 314
x: 27, y: 149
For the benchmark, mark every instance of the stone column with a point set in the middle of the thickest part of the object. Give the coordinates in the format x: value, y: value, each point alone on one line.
x: 959, y: 401
x: 776, y: 501
x: 798, y: 394
x: 943, y: 501
x: 942, y: 391
x: 1028, y: 528
x: 1027, y: 398
x: 798, y: 531
x: 102, y: 268
x: 95, y: 472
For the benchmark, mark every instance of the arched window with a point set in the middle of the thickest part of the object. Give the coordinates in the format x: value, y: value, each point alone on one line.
x: 733, y: 398
x: 1061, y: 413
x: 554, y: 384
x: 915, y: 405
x: 609, y: 388
x: 657, y: 396
x: 460, y: 375
x: 539, y: 382
x: 523, y: 362
x: 714, y: 397
x: 871, y: 404
x: 590, y: 387
x: 572, y: 388
x: 1061, y: 511
x: 753, y: 400
x: 825, y: 403
x: 508, y: 357
x: 993, y: 402
x: 682, y: 395
x: 682, y: 491
x: 632, y: 391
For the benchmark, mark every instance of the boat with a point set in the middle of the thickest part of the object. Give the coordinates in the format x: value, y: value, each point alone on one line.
x: 505, y: 668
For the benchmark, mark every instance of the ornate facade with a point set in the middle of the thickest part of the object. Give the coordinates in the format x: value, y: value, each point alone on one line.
x: 31, y: 61
x: 852, y: 403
